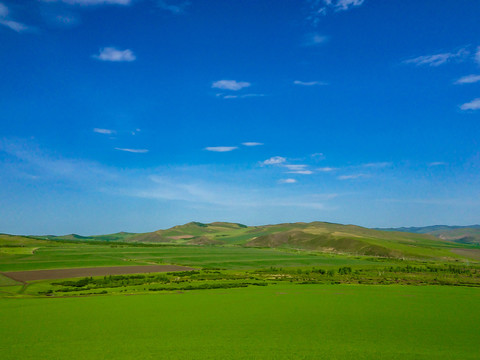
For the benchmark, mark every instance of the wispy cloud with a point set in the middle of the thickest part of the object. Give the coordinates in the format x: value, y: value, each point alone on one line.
x: 287, y: 181
x: 252, y: 144
x: 301, y: 172
x: 469, y: 79
x: 472, y: 105
x: 314, y: 39
x: 103, y: 131
x: 309, y: 83
x: 275, y: 160
x: 229, y: 96
x: 230, y: 85
x: 477, y: 56
x: 438, y: 59
x: 221, y: 148
x: 320, y: 8
x: 92, y: 2
x: 5, y: 20
x: 295, y: 167
x: 115, y: 55
x: 437, y: 163
x: 377, y: 165
x: 326, y: 169
x: 135, y: 151
x: 177, y: 8
x: 352, y: 176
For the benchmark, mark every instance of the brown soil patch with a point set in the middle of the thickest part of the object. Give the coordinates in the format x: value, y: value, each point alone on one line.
x: 96, y: 271
x: 470, y: 253
x: 180, y: 237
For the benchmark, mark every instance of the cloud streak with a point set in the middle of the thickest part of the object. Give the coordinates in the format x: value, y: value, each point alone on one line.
x: 252, y: 144
x: 5, y: 20
x: 221, y: 148
x: 103, y: 131
x: 135, y: 151
x: 472, y: 105
x: 230, y: 85
x: 173, y: 8
x: 438, y: 59
x: 114, y: 55
x: 309, y: 83
x: 287, y: 181
x: 469, y: 79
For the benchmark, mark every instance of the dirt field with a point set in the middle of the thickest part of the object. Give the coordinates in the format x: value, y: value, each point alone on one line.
x: 96, y: 271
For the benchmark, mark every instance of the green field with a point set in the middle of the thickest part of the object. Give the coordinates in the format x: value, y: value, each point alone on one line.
x: 81, y: 255
x: 242, y: 302
x: 277, y: 322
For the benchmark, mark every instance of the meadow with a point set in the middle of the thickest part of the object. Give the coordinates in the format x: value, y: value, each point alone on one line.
x: 285, y: 321
x: 239, y: 303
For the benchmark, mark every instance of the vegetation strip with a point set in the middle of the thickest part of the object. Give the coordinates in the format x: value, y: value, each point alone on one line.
x: 96, y: 271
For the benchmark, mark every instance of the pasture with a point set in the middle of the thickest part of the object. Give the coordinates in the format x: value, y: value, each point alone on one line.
x: 286, y: 321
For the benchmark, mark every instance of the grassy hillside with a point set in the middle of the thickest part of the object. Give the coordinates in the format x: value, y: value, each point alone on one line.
x: 459, y: 234
x: 314, y: 236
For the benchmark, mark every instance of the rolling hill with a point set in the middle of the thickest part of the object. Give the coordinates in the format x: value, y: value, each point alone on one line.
x: 314, y: 236
x: 459, y: 234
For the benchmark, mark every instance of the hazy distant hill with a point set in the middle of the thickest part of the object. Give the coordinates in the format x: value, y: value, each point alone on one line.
x: 314, y: 236
x: 460, y: 234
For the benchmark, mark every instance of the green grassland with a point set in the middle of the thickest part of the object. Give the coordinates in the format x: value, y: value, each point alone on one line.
x: 287, y: 291
x: 91, y: 255
x: 284, y: 321
x: 315, y: 236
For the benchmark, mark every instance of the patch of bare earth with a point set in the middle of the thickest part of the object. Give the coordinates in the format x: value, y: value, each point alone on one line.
x: 31, y: 275
x: 470, y: 253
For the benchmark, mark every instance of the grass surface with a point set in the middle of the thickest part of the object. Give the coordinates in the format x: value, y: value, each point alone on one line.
x: 275, y: 322
x: 80, y: 255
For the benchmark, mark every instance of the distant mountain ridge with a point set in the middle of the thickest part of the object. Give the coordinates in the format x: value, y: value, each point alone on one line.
x: 460, y: 234
x: 300, y: 236
x: 433, y: 242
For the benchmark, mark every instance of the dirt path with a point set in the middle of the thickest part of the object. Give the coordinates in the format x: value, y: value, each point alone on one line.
x: 95, y: 271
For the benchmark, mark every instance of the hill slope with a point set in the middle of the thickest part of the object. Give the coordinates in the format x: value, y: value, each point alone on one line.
x: 314, y: 236
x: 459, y: 234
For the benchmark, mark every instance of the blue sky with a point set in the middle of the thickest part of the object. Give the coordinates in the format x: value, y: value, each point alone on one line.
x: 136, y: 115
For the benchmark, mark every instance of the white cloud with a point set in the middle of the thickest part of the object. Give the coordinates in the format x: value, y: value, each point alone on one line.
x: 287, y: 181
x: 252, y: 144
x: 309, y: 83
x: 275, y: 160
x: 477, y: 56
x: 295, y: 167
x: 319, y: 8
x: 438, y: 59
x: 239, y: 96
x: 93, y: 2
x: 341, y: 5
x: 113, y: 54
x: 301, y: 172
x: 103, y: 131
x: 469, y: 79
x: 351, y: 177
x: 472, y: 105
x: 326, y: 169
x: 377, y: 165
x: 315, y: 39
x: 11, y: 24
x: 135, y: 151
x: 221, y: 148
x: 230, y: 84
x: 173, y: 8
